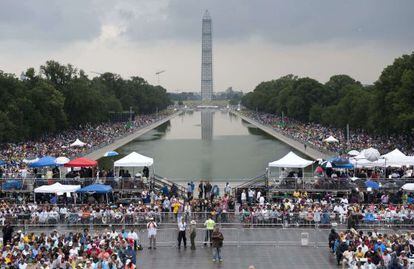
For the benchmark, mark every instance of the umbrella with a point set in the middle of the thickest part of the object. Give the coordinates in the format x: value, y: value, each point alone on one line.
x: 111, y: 154
x: 331, y: 139
x: 30, y: 160
x: 372, y: 184
x: 372, y: 154
x: 62, y: 160
x: 408, y: 187
x: 353, y: 153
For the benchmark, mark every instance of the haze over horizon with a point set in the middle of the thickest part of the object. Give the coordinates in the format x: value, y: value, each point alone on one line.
x: 252, y: 41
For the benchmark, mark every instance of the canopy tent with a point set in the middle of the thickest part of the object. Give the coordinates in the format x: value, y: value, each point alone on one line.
x: 81, y: 162
x: 78, y: 143
x: 57, y: 188
x: 397, y: 158
x: 44, y: 161
x: 134, y: 159
x: 331, y: 139
x: 353, y: 153
x: 96, y: 188
x: 2, y: 162
x: 62, y: 160
x: 364, y: 163
x: 291, y: 160
x: 408, y: 187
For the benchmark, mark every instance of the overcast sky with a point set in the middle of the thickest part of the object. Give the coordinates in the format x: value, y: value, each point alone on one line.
x: 253, y: 41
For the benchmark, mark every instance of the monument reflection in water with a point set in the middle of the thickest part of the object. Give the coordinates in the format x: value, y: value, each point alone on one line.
x: 207, y: 124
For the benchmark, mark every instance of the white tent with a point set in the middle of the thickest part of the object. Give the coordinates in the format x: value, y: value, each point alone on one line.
x: 291, y: 160
x: 57, y: 188
x: 78, y: 143
x: 331, y: 139
x: 134, y: 159
x: 364, y: 163
x: 397, y: 158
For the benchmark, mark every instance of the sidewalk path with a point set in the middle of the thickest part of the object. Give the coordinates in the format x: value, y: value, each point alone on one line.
x: 97, y: 154
x: 311, y: 152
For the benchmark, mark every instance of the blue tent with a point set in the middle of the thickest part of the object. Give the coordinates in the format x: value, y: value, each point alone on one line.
x: 2, y: 162
x: 44, y: 161
x: 96, y: 188
x: 12, y: 185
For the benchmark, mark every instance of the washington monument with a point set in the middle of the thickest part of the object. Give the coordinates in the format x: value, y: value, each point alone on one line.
x: 206, y: 59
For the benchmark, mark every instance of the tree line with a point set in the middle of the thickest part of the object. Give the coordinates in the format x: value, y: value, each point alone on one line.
x: 61, y: 96
x: 386, y: 107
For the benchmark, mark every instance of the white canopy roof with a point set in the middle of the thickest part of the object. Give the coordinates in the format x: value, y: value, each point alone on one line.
x: 397, y: 158
x: 57, y: 188
x: 78, y: 143
x: 331, y: 139
x: 291, y: 160
x: 134, y: 159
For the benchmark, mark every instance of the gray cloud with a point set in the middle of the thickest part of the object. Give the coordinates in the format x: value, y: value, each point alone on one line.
x: 49, y: 21
x: 285, y: 22
x: 280, y: 21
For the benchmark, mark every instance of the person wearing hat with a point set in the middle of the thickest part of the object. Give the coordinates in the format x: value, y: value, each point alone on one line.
x: 193, y: 234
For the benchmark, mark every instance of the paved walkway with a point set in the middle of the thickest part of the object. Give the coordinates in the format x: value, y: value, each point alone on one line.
x: 313, y: 153
x: 262, y: 257
x: 97, y: 154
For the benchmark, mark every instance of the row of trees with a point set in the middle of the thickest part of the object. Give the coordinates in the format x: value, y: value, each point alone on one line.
x: 387, y: 107
x: 61, y: 96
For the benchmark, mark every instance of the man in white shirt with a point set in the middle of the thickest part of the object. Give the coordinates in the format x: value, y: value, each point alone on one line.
x: 152, y: 233
x: 182, y: 227
x: 243, y: 197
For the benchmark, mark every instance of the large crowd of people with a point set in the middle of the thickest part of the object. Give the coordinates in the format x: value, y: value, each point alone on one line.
x: 313, y: 134
x: 111, y: 249
x: 14, y: 154
x: 372, y: 250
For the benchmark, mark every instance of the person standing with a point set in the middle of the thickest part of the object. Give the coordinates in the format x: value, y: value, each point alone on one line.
x: 217, y: 238
x: 193, y: 233
x: 243, y: 197
x: 207, y: 190
x: 227, y: 189
x: 152, y: 233
x: 182, y: 227
x: 7, y: 233
x: 209, y: 224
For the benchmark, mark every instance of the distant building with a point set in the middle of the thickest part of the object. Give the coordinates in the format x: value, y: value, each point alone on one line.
x: 206, y: 59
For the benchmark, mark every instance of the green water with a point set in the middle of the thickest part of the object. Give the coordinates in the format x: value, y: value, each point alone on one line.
x: 214, y: 145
